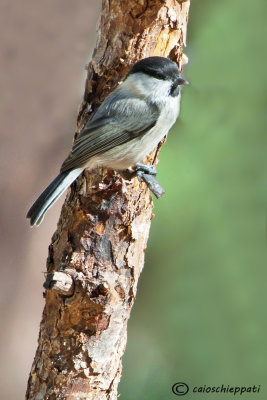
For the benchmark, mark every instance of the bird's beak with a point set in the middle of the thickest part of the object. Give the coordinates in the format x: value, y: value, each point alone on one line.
x: 181, y: 81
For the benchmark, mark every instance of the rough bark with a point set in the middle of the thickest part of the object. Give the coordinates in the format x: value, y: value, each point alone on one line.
x: 97, y: 253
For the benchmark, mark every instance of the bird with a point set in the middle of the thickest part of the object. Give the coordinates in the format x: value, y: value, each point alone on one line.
x: 126, y: 127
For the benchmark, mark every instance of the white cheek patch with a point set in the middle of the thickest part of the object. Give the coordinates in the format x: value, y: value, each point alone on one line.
x: 145, y: 86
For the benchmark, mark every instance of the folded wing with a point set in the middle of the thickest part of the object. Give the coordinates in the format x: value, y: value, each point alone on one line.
x: 118, y: 120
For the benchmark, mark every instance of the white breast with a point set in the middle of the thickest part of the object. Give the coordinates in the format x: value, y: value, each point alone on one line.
x: 167, y: 118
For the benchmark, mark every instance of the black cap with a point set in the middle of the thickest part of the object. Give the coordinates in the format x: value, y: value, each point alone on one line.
x: 158, y: 67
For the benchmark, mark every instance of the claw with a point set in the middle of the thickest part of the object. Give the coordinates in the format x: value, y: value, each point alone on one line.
x: 147, y: 174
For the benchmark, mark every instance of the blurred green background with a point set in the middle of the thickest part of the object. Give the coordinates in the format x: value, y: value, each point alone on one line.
x: 199, y: 315
x: 200, y: 312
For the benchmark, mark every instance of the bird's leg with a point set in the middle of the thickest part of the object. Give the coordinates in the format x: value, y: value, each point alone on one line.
x: 147, y: 174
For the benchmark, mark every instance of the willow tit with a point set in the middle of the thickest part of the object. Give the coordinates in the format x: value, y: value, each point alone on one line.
x: 127, y: 126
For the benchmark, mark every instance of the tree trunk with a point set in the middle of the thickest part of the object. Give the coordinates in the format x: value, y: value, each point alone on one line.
x: 97, y: 253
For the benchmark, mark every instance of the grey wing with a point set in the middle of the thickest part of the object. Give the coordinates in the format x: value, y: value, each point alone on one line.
x: 117, y: 121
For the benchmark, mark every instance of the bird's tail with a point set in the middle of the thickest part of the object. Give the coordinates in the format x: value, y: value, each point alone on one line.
x: 51, y: 194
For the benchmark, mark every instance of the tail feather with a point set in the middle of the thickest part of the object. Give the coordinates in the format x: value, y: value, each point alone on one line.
x: 50, y: 195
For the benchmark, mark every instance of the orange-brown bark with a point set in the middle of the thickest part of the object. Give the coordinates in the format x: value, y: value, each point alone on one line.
x: 97, y: 253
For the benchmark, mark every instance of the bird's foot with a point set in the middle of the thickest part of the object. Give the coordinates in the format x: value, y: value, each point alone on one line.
x: 147, y: 174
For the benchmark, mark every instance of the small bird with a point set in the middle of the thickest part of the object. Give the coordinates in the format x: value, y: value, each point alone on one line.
x: 126, y: 127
